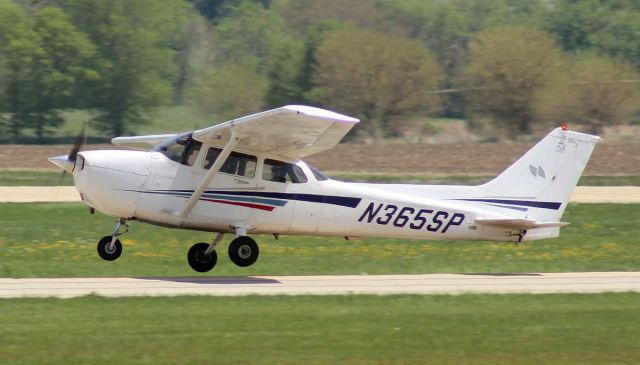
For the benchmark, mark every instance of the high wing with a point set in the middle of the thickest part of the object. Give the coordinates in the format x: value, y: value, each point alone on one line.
x: 142, y: 141
x: 516, y: 223
x: 292, y: 131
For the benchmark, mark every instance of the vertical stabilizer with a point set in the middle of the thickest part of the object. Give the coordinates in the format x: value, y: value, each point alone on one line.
x: 544, y: 178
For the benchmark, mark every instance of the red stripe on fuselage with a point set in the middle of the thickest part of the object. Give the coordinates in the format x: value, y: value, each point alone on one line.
x: 242, y: 204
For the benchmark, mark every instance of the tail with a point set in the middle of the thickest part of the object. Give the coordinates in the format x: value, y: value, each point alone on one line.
x: 541, y: 182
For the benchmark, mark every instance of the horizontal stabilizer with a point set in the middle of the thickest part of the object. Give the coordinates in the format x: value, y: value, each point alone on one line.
x: 514, y: 223
x: 142, y: 141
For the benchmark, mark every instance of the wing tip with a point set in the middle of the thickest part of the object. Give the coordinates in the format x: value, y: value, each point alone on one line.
x: 141, y: 140
x: 321, y: 113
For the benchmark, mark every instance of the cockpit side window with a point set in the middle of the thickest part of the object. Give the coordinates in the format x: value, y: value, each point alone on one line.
x: 282, y: 172
x: 182, y: 149
x: 236, y: 164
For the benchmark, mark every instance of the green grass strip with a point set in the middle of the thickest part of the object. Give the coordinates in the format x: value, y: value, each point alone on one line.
x: 467, y: 329
x: 59, y: 240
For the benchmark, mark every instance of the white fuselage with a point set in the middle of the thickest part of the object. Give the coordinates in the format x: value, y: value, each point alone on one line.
x: 148, y: 186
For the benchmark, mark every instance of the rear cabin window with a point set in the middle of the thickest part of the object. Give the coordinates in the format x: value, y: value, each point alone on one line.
x: 317, y: 174
x: 282, y: 172
x: 183, y: 149
x: 236, y: 164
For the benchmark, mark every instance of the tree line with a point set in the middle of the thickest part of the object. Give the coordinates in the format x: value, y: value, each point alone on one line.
x: 505, y: 66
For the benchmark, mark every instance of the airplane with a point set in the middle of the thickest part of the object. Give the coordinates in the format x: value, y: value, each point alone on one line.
x: 246, y: 177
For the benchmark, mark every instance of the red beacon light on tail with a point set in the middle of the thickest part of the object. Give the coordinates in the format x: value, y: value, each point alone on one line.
x: 564, y: 126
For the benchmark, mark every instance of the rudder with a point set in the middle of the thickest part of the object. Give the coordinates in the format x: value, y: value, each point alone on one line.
x: 546, y: 175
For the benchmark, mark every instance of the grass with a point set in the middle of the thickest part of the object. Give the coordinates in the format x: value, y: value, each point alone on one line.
x: 34, y: 178
x: 466, y: 329
x: 21, y: 177
x: 55, y: 240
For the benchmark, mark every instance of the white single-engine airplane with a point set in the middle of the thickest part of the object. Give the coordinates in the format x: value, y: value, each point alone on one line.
x: 245, y: 177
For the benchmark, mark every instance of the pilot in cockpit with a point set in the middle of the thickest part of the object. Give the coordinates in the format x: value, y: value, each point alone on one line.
x: 278, y: 174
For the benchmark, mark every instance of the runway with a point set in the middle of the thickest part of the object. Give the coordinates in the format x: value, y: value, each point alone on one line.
x: 31, y: 194
x: 535, y: 283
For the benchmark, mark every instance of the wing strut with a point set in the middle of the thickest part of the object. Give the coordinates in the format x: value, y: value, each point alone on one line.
x: 213, y: 171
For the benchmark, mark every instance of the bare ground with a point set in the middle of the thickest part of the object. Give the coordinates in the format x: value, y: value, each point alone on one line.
x: 612, y: 158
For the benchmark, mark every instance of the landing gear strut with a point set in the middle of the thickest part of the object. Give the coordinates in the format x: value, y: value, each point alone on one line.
x: 110, y: 247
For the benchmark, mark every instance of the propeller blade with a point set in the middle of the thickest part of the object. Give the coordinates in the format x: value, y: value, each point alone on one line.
x: 64, y: 173
x: 80, y: 139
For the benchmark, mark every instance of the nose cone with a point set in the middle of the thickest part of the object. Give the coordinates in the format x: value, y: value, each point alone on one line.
x: 63, y: 162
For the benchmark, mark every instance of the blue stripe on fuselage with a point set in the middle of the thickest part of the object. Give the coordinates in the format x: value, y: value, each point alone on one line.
x: 522, y: 203
x: 311, y: 198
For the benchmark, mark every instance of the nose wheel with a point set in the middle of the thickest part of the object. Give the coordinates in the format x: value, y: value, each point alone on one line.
x: 110, y: 247
x: 109, y: 250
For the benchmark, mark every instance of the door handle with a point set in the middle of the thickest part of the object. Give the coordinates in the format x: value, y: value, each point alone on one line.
x: 240, y: 181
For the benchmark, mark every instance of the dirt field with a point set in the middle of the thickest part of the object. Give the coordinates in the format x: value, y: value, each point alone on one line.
x: 614, y: 158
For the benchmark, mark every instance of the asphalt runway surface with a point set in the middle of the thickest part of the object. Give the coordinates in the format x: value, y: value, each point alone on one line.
x: 535, y: 283
x: 31, y: 194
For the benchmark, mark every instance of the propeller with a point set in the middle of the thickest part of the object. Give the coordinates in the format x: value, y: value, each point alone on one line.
x: 67, y: 163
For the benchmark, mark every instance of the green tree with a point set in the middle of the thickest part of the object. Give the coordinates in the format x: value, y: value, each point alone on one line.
x: 191, y: 45
x: 284, y: 73
x: 601, y: 92
x: 610, y: 27
x: 375, y: 76
x: 248, y: 36
x: 446, y: 27
x: 229, y: 91
x: 18, y: 44
x: 48, y: 58
x: 509, y: 69
x: 65, y: 63
x: 290, y: 71
x: 137, y: 47
x: 301, y: 16
x: 256, y: 39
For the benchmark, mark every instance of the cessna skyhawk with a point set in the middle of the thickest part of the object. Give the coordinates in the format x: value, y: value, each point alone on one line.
x: 246, y: 177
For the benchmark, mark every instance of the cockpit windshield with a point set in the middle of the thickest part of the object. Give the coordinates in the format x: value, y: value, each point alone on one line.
x: 182, y: 149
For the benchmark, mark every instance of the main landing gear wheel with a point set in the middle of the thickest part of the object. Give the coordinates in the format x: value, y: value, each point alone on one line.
x: 199, y: 260
x: 109, y: 251
x: 243, y: 251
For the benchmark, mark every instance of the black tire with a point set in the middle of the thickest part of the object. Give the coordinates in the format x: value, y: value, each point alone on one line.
x: 243, y: 251
x: 106, y: 253
x: 198, y: 260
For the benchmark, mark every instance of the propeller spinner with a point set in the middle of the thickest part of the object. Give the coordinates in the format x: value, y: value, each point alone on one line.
x: 67, y: 162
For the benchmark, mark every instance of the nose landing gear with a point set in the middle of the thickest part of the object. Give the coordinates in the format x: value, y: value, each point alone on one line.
x: 110, y: 247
